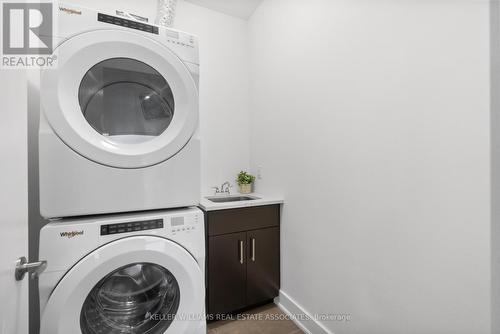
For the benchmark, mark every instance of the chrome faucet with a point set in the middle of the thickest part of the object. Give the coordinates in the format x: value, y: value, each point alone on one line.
x: 228, y: 186
x: 225, y: 188
x: 216, y: 190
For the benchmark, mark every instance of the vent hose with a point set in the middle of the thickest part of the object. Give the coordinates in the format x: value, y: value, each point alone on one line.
x: 166, y: 13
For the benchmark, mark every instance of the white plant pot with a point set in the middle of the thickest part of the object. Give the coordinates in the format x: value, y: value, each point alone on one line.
x: 245, y: 188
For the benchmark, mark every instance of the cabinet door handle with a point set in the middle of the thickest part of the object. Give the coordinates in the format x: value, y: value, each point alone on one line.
x: 241, y: 251
x: 253, y: 249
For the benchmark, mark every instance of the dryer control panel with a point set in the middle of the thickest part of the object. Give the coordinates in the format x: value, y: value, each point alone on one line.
x: 127, y: 23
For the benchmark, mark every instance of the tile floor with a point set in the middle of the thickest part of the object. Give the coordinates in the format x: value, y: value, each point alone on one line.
x: 256, y: 321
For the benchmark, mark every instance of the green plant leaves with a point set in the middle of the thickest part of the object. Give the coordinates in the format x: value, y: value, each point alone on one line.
x: 244, y: 178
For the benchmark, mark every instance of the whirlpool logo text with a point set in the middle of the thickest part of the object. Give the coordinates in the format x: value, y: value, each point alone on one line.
x: 71, y: 234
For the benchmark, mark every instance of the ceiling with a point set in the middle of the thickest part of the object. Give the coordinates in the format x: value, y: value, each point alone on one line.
x: 239, y: 8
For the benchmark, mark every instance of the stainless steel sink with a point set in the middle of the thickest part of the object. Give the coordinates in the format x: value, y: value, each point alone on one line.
x: 231, y: 199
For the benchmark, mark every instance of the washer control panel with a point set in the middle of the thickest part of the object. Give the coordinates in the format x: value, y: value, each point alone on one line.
x: 183, y: 224
x: 131, y: 226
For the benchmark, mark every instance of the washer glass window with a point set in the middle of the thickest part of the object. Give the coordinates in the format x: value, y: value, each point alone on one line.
x: 126, y: 100
x: 138, y: 298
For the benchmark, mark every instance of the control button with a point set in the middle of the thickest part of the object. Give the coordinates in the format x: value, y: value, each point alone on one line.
x: 104, y: 230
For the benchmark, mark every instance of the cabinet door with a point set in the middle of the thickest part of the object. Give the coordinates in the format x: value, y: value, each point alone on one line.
x: 226, y: 273
x: 263, y: 265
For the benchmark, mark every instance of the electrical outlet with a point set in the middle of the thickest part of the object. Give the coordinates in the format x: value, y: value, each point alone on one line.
x: 259, y: 172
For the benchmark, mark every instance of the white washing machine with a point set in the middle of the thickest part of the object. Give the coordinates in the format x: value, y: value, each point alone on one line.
x: 118, y: 117
x: 129, y: 273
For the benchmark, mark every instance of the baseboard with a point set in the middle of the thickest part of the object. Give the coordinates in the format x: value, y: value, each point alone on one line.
x: 298, y: 314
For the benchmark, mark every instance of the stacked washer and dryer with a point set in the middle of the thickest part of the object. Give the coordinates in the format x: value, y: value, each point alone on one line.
x: 119, y: 171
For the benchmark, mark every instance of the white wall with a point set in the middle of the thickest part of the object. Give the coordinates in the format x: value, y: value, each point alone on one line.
x: 224, y: 127
x: 13, y: 201
x: 495, y: 162
x: 372, y: 119
x: 224, y: 92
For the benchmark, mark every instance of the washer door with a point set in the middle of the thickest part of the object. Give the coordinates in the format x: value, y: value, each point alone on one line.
x: 120, y: 99
x: 136, y: 285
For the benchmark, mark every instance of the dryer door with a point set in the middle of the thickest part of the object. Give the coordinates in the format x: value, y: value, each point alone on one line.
x: 141, y: 284
x: 120, y: 99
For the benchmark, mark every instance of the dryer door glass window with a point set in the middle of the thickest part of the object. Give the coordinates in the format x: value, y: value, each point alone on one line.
x: 138, y: 298
x: 126, y: 100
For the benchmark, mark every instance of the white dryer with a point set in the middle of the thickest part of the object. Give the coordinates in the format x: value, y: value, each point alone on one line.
x: 129, y: 273
x: 118, y: 117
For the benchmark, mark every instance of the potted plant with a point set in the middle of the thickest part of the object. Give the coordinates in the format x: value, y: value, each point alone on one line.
x: 245, y: 182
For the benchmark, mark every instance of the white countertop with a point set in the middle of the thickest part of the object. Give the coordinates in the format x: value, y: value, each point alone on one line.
x: 208, y: 205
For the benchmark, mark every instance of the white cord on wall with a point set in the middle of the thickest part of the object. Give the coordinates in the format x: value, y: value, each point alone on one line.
x: 166, y: 12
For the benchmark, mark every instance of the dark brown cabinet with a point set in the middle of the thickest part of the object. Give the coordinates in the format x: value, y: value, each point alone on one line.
x: 243, y: 258
x: 227, y: 274
x: 263, y: 265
